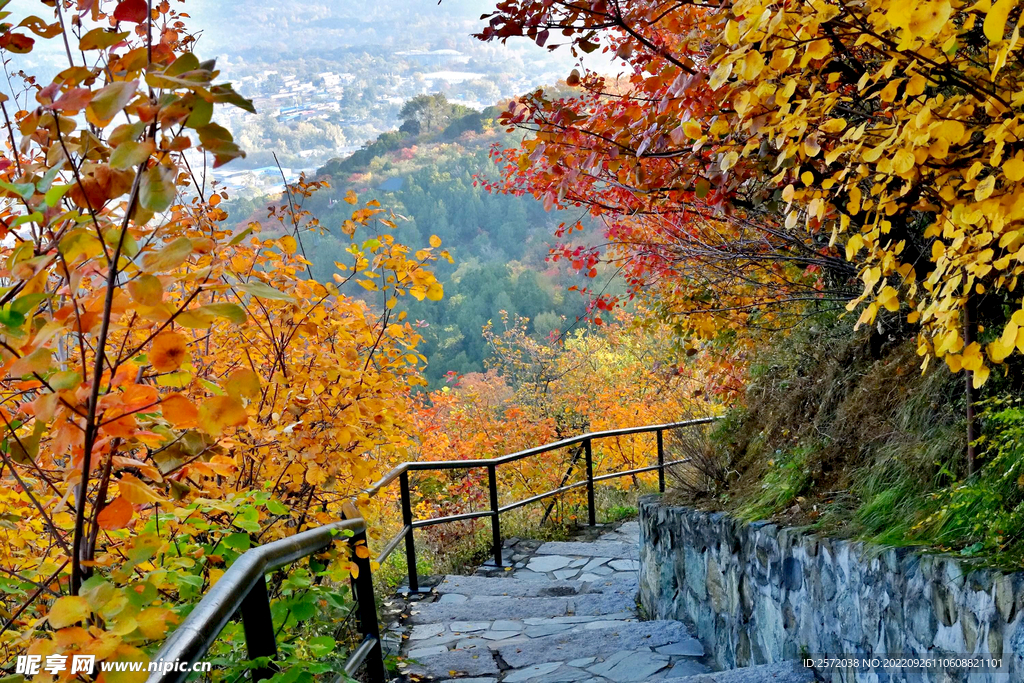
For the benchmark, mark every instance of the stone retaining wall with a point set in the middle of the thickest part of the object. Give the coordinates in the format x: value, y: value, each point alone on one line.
x: 757, y: 594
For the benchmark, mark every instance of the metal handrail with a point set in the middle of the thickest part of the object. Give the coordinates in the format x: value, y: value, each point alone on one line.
x: 243, y: 589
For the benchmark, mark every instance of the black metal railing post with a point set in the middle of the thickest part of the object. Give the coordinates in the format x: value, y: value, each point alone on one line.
x: 362, y: 589
x: 410, y: 544
x: 591, y: 510
x: 492, y: 485
x: 661, y: 461
x: 259, y: 628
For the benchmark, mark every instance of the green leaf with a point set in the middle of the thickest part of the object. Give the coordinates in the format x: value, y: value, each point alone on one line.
x: 35, y: 216
x: 322, y: 645
x: 263, y: 291
x: 202, y: 113
x: 11, y: 319
x: 239, y: 237
x: 131, y: 153
x: 109, y: 101
x: 239, y: 541
x: 703, y: 187
x: 23, y: 190
x: 66, y: 379
x: 44, y: 183
x: 183, y: 64
x: 146, y: 290
x: 129, y: 246
x: 232, y: 312
x: 24, y: 304
x: 101, y: 39
x: 226, y: 94
x: 55, y: 193
x: 157, y: 190
x: 303, y: 609
x: 251, y: 526
x: 275, y: 507
x: 125, y: 132
x: 217, y: 141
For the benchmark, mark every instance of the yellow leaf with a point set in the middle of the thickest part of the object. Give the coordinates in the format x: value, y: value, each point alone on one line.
x: 811, y: 145
x: 153, y: 622
x: 692, y: 129
x: 920, y: 19
x: 903, y: 161
x: 1013, y: 169
x: 288, y: 244
x: 984, y: 189
x: 350, y: 197
x: 889, y: 298
x: 68, y: 610
x: 972, y: 358
x: 995, y: 20
x: 720, y: 75
x: 435, y: 241
x: 853, y: 245
x: 1003, y: 347
x: 818, y: 49
x: 243, y: 382
x: 732, y: 32
x: 980, y: 376
x: 135, y: 491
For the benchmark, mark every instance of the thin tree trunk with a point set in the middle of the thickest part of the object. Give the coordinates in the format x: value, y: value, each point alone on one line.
x: 970, y: 325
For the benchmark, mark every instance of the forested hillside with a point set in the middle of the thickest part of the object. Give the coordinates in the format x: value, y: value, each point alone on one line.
x: 430, y: 173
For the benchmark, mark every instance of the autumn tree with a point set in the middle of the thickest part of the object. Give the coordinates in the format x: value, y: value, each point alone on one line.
x: 794, y: 144
x: 537, y: 391
x: 170, y: 392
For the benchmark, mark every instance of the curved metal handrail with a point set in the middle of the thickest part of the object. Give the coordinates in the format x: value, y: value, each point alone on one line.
x: 196, y: 634
x: 397, y: 471
x: 243, y: 588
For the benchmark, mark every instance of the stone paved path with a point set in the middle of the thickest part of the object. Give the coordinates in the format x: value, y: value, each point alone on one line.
x: 564, y: 613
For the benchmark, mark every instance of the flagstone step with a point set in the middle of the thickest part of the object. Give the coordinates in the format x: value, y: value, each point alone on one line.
x: 563, y: 612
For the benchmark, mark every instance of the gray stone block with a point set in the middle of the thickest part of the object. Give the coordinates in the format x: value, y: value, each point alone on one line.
x: 592, y: 549
x: 576, y: 643
x: 474, y: 662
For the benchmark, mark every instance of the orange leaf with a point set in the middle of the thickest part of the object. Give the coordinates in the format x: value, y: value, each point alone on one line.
x: 137, y: 396
x: 168, y: 351
x: 220, y: 412
x: 179, y: 411
x: 116, y: 514
x: 153, y: 621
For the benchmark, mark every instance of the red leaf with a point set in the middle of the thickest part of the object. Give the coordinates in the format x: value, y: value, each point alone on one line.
x: 136, y: 11
x: 16, y: 43
x: 75, y: 99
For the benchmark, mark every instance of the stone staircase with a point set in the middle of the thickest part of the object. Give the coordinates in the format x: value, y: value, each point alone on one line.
x: 557, y: 612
